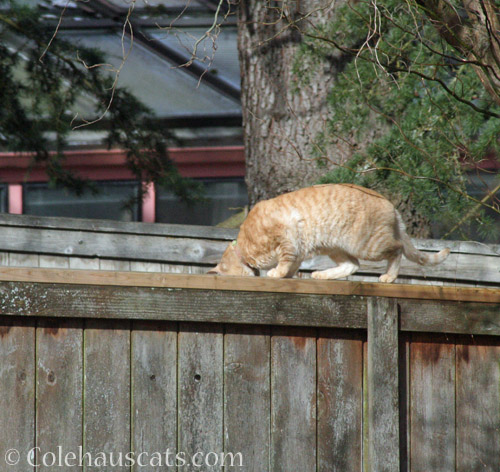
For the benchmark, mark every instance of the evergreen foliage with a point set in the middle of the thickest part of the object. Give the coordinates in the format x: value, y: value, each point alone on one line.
x: 42, y: 76
x: 431, y: 111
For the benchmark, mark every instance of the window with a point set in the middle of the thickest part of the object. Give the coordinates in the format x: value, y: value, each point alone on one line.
x: 108, y: 203
x: 224, y: 199
x: 4, y: 205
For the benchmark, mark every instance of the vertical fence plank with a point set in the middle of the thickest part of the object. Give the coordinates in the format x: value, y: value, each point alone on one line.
x: 4, y: 258
x: 23, y: 260
x: 200, y: 377
x: 88, y: 263
x: 366, y: 439
x: 59, y: 391
x: 404, y: 400
x: 246, y: 396
x: 383, y: 385
x: 107, y: 391
x: 478, y: 406
x: 432, y: 407
x: 154, y: 392
x: 293, y: 399
x: 145, y: 266
x: 340, y: 396
x: 114, y: 264
x: 53, y: 262
x: 183, y: 269
x: 17, y: 391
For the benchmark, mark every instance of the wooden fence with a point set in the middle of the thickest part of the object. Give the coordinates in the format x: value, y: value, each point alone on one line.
x: 294, y: 375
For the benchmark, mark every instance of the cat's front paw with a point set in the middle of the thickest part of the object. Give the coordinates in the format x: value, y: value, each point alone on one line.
x: 319, y: 274
x: 387, y: 279
x: 274, y: 273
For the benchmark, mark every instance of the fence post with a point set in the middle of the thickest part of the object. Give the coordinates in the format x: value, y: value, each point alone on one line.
x: 383, y: 394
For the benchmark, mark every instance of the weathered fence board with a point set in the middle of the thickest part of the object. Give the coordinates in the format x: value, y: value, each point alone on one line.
x: 293, y: 399
x: 83, y: 301
x: 180, y: 305
x: 340, y: 397
x: 247, y: 386
x: 59, y: 387
x: 478, y: 406
x: 251, y: 284
x: 383, y: 386
x: 432, y: 394
x: 17, y: 401
x: 201, y: 390
x: 154, y: 389
x: 107, y: 391
x: 113, y: 245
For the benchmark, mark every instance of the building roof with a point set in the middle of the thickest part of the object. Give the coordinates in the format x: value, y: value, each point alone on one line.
x: 196, y: 95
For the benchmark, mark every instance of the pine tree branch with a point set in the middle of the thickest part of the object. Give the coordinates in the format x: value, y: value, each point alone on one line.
x: 474, y: 210
x: 354, y: 53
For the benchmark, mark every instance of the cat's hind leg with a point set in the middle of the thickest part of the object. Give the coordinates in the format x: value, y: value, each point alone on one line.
x: 346, y: 265
x: 393, y: 263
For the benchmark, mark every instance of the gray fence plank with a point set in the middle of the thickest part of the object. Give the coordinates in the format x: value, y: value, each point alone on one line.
x: 139, y: 247
x: 113, y: 264
x: 107, y: 391
x: 55, y: 300
x: 154, y: 391
x: 145, y: 266
x: 23, y: 259
x: 208, y: 232
x: 383, y: 385
x: 404, y: 401
x: 154, y: 303
x: 4, y: 258
x: 456, y: 268
x: 59, y: 405
x: 340, y: 395
x: 432, y: 407
x: 449, y: 317
x: 201, y: 393
x: 109, y: 226
x: 17, y: 393
x: 478, y: 406
x: 88, y: 263
x: 293, y: 399
x: 55, y: 262
x: 246, y: 396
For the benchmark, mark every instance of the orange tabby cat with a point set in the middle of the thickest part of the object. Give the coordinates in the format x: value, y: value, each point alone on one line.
x: 343, y: 221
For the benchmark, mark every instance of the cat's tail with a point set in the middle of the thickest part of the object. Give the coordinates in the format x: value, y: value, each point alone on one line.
x: 413, y: 254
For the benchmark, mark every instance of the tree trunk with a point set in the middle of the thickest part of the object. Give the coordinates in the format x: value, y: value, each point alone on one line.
x: 281, y: 118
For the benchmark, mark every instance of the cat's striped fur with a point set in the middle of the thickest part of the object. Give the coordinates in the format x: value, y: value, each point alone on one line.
x: 343, y: 221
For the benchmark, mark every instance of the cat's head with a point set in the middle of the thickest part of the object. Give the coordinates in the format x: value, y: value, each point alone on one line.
x: 232, y: 263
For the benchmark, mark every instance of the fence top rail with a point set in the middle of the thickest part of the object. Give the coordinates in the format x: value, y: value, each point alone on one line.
x: 249, y: 284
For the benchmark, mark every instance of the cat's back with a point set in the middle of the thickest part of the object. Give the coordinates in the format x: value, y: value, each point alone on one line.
x: 319, y: 204
x: 346, y: 199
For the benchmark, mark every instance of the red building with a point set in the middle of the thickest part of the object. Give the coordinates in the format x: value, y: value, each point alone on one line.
x: 199, y: 104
